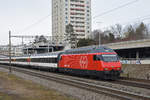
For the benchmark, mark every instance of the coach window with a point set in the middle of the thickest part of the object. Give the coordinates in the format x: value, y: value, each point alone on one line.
x: 50, y: 60
x: 55, y: 60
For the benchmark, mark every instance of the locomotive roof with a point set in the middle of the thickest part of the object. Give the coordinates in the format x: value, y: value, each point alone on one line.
x: 92, y: 49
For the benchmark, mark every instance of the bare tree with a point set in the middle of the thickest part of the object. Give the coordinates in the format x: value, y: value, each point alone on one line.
x: 117, y: 30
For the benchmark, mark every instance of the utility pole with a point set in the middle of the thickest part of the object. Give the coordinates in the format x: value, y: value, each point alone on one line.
x: 99, y: 33
x: 99, y: 39
x: 22, y: 41
x: 48, y: 46
x: 10, y: 67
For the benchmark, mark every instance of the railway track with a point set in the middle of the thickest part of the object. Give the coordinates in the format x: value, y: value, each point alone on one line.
x: 140, y: 83
x: 79, y: 83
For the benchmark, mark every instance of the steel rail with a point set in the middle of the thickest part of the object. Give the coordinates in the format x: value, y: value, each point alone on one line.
x: 145, y: 85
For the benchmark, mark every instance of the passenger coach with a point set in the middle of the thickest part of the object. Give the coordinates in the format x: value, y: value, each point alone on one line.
x: 100, y: 61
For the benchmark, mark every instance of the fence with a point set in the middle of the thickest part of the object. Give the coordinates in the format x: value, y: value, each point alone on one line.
x: 135, y: 61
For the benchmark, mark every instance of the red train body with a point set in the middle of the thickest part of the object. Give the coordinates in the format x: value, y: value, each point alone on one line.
x: 102, y: 62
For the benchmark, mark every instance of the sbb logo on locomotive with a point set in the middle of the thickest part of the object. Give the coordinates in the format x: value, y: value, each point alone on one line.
x: 83, y: 62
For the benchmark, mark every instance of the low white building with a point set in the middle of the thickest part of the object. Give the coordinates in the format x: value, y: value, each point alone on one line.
x: 15, y: 50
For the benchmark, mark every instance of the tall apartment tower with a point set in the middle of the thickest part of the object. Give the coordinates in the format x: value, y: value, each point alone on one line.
x: 75, y: 12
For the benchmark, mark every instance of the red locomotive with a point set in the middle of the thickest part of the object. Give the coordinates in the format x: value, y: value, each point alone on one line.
x: 101, y: 61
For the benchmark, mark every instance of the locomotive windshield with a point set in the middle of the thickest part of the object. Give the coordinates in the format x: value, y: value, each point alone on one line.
x: 106, y: 58
x: 110, y: 58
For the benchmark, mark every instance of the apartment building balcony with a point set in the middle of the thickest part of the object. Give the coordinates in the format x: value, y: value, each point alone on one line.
x: 77, y: 9
x: 77, y: 5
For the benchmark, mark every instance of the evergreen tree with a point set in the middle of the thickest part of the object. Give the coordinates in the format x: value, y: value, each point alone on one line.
x: 85, y: 42
x: 40, y: 39
x: 140, y: 31
x: 70, y: 36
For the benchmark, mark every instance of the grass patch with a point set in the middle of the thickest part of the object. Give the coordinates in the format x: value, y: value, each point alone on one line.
x: 14, y: 88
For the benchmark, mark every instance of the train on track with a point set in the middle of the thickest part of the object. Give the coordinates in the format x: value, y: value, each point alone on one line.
x: 99, y: 61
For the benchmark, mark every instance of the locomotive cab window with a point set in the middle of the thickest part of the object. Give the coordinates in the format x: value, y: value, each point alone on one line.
x: 97, y: 57
x: 94, y: 57
x: 60, y: 58
x: 110, y: 58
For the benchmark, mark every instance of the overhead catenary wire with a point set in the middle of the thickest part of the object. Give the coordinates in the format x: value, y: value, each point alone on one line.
x: 137, y: 20
x: 146, y: 18
x: 140, y: 19
x: 42, y: 19
x: 133, y: 21
x: 36, y: 23
x: 114, y: 9
x: 143, y: 18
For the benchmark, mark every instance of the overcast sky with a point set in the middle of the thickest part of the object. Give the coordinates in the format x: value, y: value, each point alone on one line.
x: 20, y: 16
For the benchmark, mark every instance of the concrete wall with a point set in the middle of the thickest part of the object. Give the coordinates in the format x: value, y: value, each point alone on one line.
x: 129, y: 44
x: 141, y: 71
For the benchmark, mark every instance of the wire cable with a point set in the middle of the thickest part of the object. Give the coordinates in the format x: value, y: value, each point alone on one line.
x: 146, y: 17
x: 111, y: 10
x: 37, y: 22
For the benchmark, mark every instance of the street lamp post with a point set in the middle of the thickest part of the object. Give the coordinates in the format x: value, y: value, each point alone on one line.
x: 10, y: 67
x: 99, y: 39
x: 99, y: 33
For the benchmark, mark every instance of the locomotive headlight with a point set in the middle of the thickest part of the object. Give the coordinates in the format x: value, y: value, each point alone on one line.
x: 118, y: 68
x: 105, y: 68
x: 113, y: 66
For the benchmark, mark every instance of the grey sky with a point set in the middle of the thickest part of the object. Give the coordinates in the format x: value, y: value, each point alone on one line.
x: 125, y: 15
x: 17, y: 15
